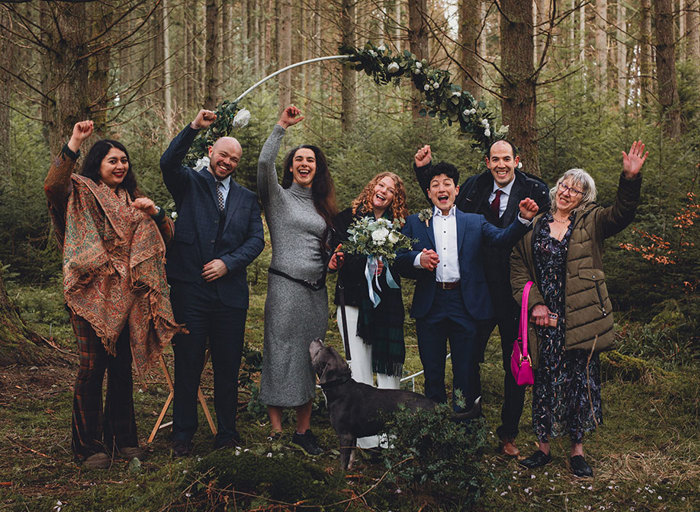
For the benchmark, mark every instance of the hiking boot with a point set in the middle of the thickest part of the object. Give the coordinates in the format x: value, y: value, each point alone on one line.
x: 308, y: 442
x: 181, y: 448
x: 130, y: 452
x: 98, y: 460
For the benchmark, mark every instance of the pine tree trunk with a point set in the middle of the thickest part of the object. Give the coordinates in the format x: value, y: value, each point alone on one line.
x: 348, y: 114
x: 211, y: 76
x: 519, y: 103
x: 469, y: 29
x: 693, y: 46
x: 417, y: 41
x: 7, y: 61
x: 666, y: 68
x: 645, y: 64
x: 601, y: 44
x: 284, y: 53
x: 621, y: 55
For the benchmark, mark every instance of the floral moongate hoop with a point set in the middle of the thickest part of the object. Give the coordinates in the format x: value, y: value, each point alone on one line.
x: 442, y: 98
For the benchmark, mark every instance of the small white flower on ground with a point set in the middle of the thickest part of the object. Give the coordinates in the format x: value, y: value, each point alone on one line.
x: 269, y: 454
x: 241, y: 118
x: 393, y: 67
x: 487, y: 132
x: 202, y: 163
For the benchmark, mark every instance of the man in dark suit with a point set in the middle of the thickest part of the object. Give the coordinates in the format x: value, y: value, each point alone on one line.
x: 451, y: 295
x: 495, y: 193
x: 218, y: 233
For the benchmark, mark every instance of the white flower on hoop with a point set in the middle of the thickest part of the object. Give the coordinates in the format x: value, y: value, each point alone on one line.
x: 202, y: 163
x: 392, y: 68
x: 487, y: 132
x: 241, y: 118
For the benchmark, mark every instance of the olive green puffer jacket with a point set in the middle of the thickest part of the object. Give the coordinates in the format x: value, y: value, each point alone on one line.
x: 588, y: 317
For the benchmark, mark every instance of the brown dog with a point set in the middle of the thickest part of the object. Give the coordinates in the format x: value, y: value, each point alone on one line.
x: 356, y: 409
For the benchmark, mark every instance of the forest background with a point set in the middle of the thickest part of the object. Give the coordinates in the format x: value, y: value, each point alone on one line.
x: 575, y: 81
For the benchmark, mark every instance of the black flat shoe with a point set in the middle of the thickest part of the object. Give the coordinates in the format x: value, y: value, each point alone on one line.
x: 536, y: 460
x: 579, y: 466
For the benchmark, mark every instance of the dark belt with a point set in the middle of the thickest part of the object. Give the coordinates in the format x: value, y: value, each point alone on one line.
x: 452, y: 285
x: 317, y: 285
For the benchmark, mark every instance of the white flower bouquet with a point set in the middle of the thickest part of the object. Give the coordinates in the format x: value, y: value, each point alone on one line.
x: 378, y: 238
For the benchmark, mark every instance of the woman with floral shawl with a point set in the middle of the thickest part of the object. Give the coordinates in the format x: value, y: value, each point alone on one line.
x: 112, y: 239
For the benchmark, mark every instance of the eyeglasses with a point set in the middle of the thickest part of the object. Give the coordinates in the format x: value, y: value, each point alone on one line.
x: 570, y: 190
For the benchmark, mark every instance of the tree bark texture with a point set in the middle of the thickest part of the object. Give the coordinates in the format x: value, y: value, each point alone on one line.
x: 348, y: 114
x: 666, y: 67
x: 693, y: 46
x: 470, y: 24
x: 519, y: 102
x: 601, y: 43
x: 284, y: 53
x: 621, y: 43
x: 7, y: 62
x: 417, y: 40
x: 645, y: 51
x: 210, y: 74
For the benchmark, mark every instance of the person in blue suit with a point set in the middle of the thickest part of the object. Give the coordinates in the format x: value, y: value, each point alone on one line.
x: 218, y: 233
x: 451, y: 295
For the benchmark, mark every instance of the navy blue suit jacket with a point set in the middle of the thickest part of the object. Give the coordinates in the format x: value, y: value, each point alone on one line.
x: 473, y: 231
x: 197, y: 225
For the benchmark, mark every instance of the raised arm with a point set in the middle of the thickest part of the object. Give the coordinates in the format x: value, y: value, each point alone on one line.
x: 421, y: 165
x: 57, y: 185
x: 267, y: 174
x: 174, y: 173
x: 617, y: 217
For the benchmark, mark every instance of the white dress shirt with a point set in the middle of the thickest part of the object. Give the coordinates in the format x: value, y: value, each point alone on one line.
x: 445, y: 233
x: 505, y: 194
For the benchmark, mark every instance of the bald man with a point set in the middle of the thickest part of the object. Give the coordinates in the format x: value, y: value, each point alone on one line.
x: 218, y: 233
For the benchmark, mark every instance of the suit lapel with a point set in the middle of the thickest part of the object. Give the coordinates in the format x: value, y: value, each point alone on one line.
x: 517, y: 192
x: 430, y: 231
x: 461, y: 221
x: 232, y: 201
x: 211, y: 185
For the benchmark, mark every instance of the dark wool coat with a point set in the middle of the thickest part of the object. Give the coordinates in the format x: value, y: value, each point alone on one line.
x: 588, y: 307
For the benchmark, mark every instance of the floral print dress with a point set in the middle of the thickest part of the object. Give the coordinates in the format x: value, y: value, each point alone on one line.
x: 566, y: 394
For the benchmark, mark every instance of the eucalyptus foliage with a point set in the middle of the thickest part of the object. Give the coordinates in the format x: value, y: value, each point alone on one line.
x: 380, y: 238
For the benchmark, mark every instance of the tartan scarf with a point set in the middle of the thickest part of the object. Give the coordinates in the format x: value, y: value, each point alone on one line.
x: 114, y: 272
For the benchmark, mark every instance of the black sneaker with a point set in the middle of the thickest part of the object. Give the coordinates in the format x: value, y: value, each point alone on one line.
x: 308, y: 442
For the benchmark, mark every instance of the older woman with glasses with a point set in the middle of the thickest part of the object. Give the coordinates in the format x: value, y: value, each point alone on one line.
x: 569, y: 304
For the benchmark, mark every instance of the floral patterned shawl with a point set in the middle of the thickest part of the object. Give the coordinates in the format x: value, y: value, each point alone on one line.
x: 114, y: 272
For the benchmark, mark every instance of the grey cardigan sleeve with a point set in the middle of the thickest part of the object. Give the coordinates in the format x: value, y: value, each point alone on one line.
x: 267, y: 174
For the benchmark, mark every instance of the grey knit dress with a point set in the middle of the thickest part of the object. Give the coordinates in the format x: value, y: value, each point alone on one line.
x: 294, y: 314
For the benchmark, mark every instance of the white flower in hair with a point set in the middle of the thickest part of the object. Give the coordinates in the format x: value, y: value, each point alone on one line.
x: 202, y: 163
x: 241, y: 118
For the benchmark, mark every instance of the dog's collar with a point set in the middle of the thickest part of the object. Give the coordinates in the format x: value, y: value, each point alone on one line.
x: 335, y: 383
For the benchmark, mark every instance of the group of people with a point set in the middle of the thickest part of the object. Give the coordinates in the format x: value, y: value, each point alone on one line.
x: 114, y: 244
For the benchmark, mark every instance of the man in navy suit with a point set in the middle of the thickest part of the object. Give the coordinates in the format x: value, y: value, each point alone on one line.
x: 451, y: 295
x: 218, y: 233
x: 495, y: 193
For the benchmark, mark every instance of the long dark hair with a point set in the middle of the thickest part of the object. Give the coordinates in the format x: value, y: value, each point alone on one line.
x: 93, y: 160
x: 322, y: 187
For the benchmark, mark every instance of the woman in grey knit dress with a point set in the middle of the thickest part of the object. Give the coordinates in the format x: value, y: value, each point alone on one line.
x: 299, y: 216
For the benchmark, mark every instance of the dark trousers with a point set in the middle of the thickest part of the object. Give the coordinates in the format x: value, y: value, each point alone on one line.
x: 206, y: 317
x: 447, y: 319
x: 513, y: 395
x: 94, y: 430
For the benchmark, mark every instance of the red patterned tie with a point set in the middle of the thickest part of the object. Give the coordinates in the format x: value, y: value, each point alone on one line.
x: 496, y: 203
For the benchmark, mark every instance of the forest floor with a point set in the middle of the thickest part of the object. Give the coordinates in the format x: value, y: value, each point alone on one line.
x: 646, y: 455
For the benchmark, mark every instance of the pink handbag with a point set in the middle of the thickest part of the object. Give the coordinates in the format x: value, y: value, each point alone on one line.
x: 520, y: 362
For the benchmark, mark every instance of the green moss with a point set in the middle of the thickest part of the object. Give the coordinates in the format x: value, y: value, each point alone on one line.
x: 630, y: 368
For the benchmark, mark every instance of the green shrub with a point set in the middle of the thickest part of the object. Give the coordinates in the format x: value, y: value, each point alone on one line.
x: 431, y: 452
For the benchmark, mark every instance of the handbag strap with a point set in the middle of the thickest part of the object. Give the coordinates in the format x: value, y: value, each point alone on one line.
x: 523, y: 316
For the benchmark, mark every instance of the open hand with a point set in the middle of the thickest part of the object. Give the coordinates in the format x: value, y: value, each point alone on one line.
x: 633, y: 161
x: 423, y: 156
x: 81, y: 131
x: 528, y: 208
x: 145, y: 204
x: 204, y: 119
x: 429, y: 259
x: 290, y: 116
x: 214, y: 270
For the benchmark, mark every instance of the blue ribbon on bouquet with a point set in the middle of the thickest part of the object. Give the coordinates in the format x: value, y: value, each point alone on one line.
x: 371, y: 274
